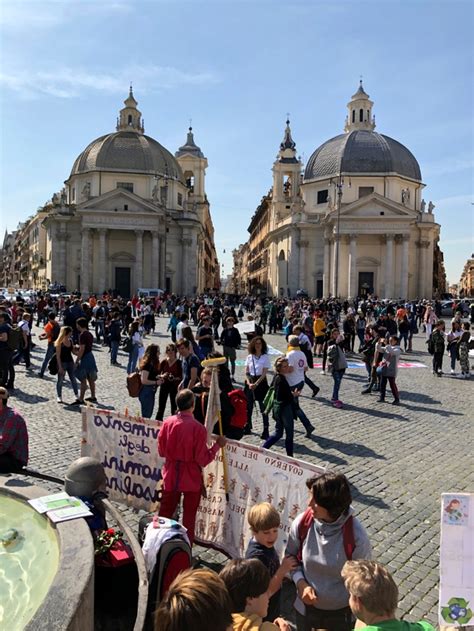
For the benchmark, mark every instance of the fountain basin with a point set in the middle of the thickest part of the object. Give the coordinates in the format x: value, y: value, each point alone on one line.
x: 50, y: 566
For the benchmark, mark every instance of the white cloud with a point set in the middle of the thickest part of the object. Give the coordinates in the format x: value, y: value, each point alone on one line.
x: 23, y: 15
x: 69, y: 82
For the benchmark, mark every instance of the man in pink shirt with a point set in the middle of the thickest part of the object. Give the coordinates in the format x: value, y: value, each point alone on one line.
x: 182, y: 441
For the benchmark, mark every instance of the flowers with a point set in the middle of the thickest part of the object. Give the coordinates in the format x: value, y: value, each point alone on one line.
x: 106, y: 539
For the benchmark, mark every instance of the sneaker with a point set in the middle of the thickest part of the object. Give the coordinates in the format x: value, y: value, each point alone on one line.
x: 396, y: 402
x: 315, y: 392
x: 323, y: 372
x: 59, y: 400
x: 337, y: 404
x: 264, y: 435
x: 92, y: 399
x: 309, y: 431
x: 381, y: 400
x: 453, y: 372
x: 366, y: 391
x: 77, y: 402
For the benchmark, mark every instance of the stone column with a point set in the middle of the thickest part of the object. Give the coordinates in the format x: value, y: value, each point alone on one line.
x: 404, y: 272
x: 138, y: 260
x: 423, y: 250
x: 334, y: 270
x: 102, y: 260
x: 162, y: 276
x: 85, y: 260
x: 303, y: 245
x: 326, y: 267
x: 155, y: 259
x: 352, y: 271
x: 389, y: 266
x: 186, y: 242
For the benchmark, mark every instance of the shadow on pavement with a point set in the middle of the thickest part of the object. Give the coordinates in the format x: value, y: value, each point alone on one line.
x: 419, y: 398
x: 385, y: 410
x: 302, y: 450
x: 28, y: 398
x: 349, y: 449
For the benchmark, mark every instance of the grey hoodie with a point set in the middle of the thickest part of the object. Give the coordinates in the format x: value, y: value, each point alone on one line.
x: 323, y: 559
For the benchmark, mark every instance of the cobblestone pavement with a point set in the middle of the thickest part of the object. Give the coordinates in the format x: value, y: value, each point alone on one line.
x: 398, y: 459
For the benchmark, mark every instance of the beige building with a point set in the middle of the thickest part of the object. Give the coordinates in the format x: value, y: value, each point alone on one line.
x: 466, y: 283
x: 354, y: 223
x: 257, y: 266
x: 240, y: 277
x: 132, y: 216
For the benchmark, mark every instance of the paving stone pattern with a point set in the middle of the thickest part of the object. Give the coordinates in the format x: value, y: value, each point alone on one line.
x: 398, y: 459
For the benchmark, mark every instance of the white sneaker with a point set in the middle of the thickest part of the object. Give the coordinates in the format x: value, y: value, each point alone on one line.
x: 323, y: 372
x: 59, y: 400
x: 453, y: 371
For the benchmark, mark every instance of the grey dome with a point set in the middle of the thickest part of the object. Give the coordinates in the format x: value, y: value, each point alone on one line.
x: 362, y: 151
x: 127, y: 151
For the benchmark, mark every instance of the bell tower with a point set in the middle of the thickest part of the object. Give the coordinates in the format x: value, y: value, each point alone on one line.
x: 360, y: 112
x: 194, y: 164
x: 130, y: 118
x: 286, y: 171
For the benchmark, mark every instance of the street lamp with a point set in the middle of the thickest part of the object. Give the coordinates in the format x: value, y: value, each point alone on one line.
x: 339, y: 185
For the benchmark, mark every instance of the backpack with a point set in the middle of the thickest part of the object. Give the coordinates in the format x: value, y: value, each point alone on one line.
x: 127, y: 344
x: 15, y: 338
x: 431, y: 347
x: 55, y: 332
x: 347, y: 534
x: 134, y: 384
x: 239, y: 403
x: 173, y: 557
x: 268, y: 400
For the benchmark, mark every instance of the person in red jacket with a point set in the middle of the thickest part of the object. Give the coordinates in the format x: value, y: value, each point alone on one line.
x: 182, y: 441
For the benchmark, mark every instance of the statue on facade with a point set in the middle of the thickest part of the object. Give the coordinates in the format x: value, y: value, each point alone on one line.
x: 431, y: 207
x: 405, y: 196
x: 63, y: 197
x: 86, y: 191
x: 56, y: 200
x: 155, y: 192
x: 423, y: 205
x: 329, y: 202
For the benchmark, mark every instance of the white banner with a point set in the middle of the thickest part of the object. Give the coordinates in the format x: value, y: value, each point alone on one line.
x: 127, y: 447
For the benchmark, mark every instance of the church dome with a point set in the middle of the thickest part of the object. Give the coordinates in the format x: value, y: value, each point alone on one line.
x: 127, y: 151
x: 359, y: 152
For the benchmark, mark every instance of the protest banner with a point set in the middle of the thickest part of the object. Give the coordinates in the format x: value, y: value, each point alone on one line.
x: 246, y: 327
x: 127, y: 447
x: 456, y: 571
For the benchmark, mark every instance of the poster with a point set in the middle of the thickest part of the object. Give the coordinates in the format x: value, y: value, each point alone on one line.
x: 127, y: 447
x: 456, y: 591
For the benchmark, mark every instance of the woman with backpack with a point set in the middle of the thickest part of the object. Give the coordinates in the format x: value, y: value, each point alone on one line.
x: 134, y: 344
x: 337, y: 363
x: 149, y: 375
x: 284, y: 408
x: 64, y: 348
x: 257, y: 366
x: 322, y: 539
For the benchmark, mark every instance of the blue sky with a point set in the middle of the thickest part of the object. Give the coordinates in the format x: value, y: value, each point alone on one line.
x: 236, y: 68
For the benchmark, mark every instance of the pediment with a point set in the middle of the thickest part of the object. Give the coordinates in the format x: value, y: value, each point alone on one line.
x: 117, y: 199
x: 377, y: 206
x: 123, y: 256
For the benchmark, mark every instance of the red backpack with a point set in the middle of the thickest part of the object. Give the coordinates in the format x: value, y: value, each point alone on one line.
x: 347, y: 534
x: 239, y: 403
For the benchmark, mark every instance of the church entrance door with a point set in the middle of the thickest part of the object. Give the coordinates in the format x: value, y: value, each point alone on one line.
x: 366, y: 284
x: 122, y: 282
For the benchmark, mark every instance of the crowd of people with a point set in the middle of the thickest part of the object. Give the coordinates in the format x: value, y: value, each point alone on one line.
x: 328, y: 552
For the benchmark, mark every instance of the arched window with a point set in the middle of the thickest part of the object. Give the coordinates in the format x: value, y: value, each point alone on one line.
x: 281, y: 256
x: 361, y: 115
x: 353, y: 116
x: 130, y: 120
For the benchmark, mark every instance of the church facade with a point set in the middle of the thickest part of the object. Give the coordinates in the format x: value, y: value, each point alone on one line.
x: 354, y: 222
x: 132, y: 215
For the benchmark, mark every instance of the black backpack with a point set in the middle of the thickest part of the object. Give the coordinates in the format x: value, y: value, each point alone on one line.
x: 431, y: 346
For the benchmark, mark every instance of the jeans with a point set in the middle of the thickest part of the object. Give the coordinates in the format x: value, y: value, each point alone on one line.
x: 167, y: 389
x: 284, y: 424
x: 453, y: 354
x: 69, y: 369
x: 404, y: 337
x: 7, y: 373
x: 114, y: 347
x: 393, y: 387
x: 132, y: 359
x: 299, y: 412
x: 50, y: 350
x: 24, y: 353
x: 147, y: 400
x: 438, y: 362
x: 99, y: 330
x: 230, y: 354
x: 337, y: 375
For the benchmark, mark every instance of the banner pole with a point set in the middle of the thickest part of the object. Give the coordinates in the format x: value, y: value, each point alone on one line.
x: 224, y: 458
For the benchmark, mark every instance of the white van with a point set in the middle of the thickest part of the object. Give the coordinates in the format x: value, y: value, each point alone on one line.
x: 149, y: 293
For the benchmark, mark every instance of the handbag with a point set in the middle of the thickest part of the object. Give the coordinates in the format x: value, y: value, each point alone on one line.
x: 53, y: 367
